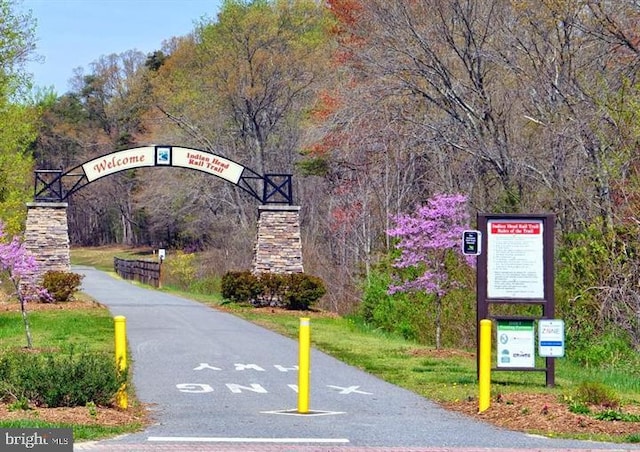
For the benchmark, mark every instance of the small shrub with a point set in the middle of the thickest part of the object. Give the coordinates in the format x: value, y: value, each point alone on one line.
x: 240, y: 286
x: 21, y: 404
x: 295, y: 291
x: 591, y: 393
x: 375, y: 297
x: 180, y: 269
x: 579, y: 408
x: 64, y: 379
x: 61, y: 285
x: 609, y: 415
x: 93, y: 409
x: 617, y: 415
x: 272, y: 288
x: 633, y: 438
x: 302, y: 291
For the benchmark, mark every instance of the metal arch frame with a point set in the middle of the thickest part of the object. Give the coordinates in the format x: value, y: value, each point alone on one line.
x: 270, y: 188
x: 276, y: 187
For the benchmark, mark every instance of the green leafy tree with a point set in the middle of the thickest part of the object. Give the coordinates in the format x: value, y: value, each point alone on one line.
x: 264, y: 56
x: 241, y: 87
x: 17, y: 117
x: 16, y: 163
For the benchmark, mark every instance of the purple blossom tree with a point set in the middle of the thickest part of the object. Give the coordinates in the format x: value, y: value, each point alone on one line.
x: 424, y: 239
x: 20, y: 265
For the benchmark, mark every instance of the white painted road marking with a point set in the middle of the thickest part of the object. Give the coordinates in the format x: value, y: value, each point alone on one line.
x: 187, y: 439
x: 206, y: 366
x: 310, y: 413
x: 202, y: 388
x: 349, y: 390
x: 240, y: 366
x: 286, y: 369
x: 255, y: 387
x: 195, y: 388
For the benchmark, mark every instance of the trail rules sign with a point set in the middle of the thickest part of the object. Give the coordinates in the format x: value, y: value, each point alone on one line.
x: 515, y: 264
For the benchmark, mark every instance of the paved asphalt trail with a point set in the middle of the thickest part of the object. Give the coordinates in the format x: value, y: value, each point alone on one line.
x: 216, y: 382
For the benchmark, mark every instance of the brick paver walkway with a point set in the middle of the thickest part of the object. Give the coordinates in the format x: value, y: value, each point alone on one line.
x: 211, y: 447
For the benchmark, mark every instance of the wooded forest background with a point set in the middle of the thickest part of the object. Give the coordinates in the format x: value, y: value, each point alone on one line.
x: 524, y: 106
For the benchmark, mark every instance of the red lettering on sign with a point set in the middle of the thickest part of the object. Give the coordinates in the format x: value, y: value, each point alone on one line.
x: 516, y: 228
x: 118, y: 162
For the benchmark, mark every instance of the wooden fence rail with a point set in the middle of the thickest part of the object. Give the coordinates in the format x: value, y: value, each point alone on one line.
x: 146, y: 272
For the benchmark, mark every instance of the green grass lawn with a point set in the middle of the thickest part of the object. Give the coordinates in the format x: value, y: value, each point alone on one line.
x: 102, y: 257
x: 91, y: 329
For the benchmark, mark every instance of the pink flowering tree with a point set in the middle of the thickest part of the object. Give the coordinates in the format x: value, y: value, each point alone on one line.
x: 425, y: 239
x: 19, y: 265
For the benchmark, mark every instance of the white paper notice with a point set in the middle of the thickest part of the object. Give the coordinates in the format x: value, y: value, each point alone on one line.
x: 516, y: 344
x: 515, y: 264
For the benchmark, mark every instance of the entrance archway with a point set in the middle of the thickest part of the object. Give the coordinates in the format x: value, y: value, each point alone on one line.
x: 278, y: 246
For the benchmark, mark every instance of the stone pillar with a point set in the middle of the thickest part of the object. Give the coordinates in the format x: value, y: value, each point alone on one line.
x: 278, y: 246
x: 47, y: 236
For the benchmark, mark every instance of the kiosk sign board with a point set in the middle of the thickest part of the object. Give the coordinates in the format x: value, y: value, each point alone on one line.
x: 517, y: 267
x: 516, y: 343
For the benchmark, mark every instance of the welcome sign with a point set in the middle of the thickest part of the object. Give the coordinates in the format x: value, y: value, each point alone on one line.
x: 162, y: 156
x: 119, y: 161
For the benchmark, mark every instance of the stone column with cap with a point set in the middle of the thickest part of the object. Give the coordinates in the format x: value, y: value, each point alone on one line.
x: 278, y: 246
x: 46, y: 236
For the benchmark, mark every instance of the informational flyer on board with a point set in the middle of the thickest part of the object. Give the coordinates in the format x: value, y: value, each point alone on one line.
x: 516, y: 343
x: 515, y: 264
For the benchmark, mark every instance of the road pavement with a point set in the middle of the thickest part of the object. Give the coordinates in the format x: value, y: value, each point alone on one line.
x: 217, y: 382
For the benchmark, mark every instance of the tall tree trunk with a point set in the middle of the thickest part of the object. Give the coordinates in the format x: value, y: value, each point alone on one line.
x: 25, y: 317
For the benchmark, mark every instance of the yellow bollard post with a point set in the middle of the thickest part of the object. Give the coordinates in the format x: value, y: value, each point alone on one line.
x: 484, y: 384
x: 121, y: 357
x: 304, y: 364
